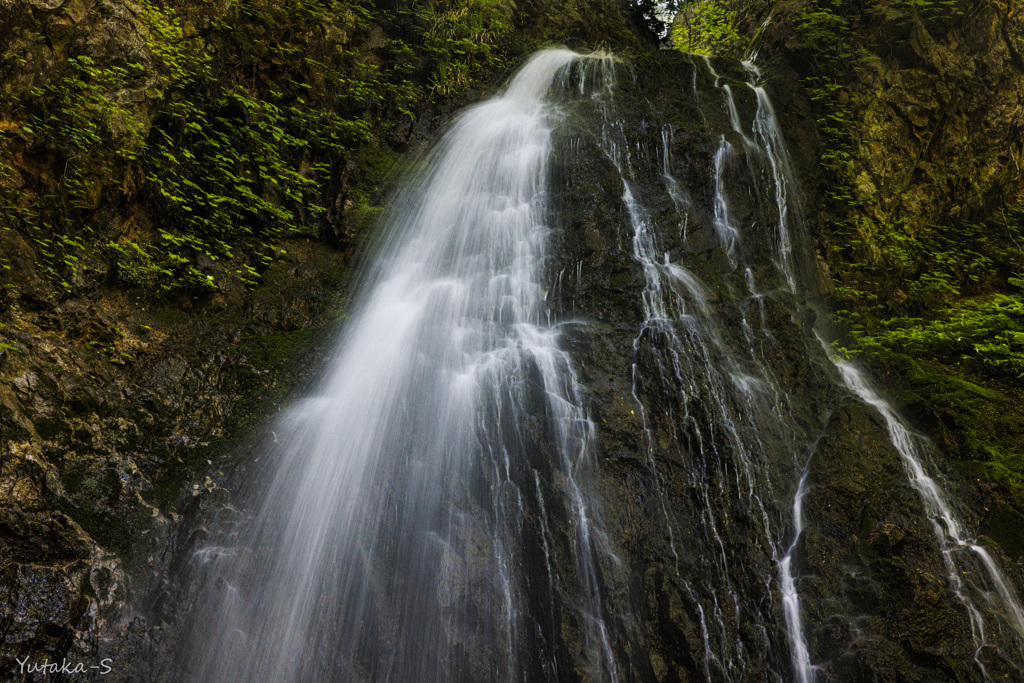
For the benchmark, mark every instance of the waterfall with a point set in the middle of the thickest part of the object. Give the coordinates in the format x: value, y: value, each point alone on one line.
x: 733, y: 387
x: 790, y: 597
x: 464, y: 496
x: 957, y: 548
x: 391, y: 534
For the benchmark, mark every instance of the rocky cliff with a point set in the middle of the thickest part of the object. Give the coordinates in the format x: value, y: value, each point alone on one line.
x: 687, y: 416
x: 174, y: 239
x: 184, y: 185
x: 915, y: 195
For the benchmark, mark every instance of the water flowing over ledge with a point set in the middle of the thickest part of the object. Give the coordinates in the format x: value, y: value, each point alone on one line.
x: 412, y: 460
x: 574, y: 425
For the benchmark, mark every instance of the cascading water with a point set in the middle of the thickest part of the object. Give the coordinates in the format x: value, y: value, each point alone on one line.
x: 948, y: 529
x: 957, y: 548
x: 735, y: 391
x: 790, y: 597
x: 392, y: 532
x: 569, y: 430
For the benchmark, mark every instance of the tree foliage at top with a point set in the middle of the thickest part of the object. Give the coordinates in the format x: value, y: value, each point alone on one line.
x: 707, y: 27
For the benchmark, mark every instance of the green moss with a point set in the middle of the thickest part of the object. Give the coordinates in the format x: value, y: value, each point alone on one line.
x: 116, y: 529
x: 276, y: 350
x: 685, y: 117
x: 932, y: 382
x: 982, y: 424
x: 256, y: 386
x: 362, y: 214
x: 377, y: 164
x: 273, y: 360
x: 1005, y: 526
x: 622, y: 280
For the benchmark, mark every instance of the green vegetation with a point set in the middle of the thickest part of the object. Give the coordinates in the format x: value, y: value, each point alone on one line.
x: 956, y: 301
x: 832, y: 41
x: 981, y: 426
x: 984, y: 336
x: 464, y: 37
x: 707, y: 27
x: 231, y: 137
x: 938, y: 307
x: 942, y: 292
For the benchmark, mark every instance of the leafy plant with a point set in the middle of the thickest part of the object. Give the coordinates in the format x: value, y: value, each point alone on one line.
x: 984, y: 334
x: 706, y: 27
x: 227, y: 138
x: 464, y: 37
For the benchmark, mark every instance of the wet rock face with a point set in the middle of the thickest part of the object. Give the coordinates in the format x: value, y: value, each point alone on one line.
x: 113, y: 415
x: 942, y: 118
x: 870, y: 564
x: 662, y: 457
x: 934, y: 108
x: 578, y: 23
x: 691, y: 566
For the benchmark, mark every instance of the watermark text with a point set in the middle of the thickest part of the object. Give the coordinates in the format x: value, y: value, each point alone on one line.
x: 64, y: 666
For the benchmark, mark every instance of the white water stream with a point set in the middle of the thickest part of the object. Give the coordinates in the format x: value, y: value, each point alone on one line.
x: 409, y: 458
x: 448, y: 448
x: 949, y: 530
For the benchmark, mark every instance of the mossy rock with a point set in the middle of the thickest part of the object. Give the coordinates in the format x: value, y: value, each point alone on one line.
x: 1004, y: 524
